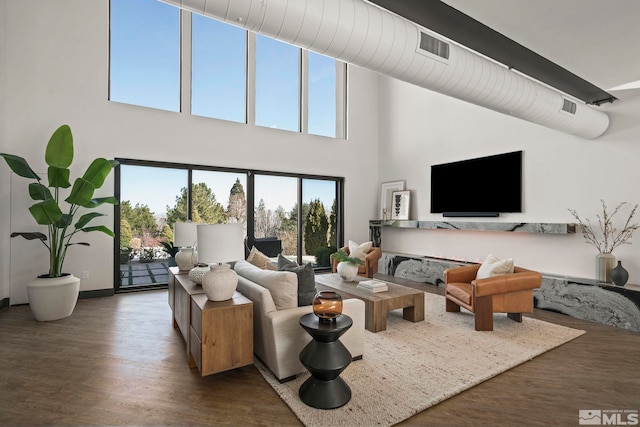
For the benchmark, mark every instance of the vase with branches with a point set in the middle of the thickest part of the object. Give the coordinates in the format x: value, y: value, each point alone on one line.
x: 605, y: 236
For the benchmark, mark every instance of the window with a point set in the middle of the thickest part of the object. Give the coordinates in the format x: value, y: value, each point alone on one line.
x: 235, y: 75
x: 277, y: 84
x: 322, y: 102
x: 301, y: 212
x: 144, y: 60
x: 218, y: 70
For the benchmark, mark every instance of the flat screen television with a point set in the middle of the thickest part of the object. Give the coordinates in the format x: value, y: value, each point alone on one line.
x: 484, y: 186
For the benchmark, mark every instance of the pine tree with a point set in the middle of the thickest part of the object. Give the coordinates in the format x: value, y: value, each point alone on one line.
x: 316, y: 227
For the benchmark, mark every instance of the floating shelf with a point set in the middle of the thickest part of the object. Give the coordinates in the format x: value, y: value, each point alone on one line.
x: 518, y: 227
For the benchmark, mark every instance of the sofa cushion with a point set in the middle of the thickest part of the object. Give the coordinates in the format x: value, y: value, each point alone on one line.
x: 260, y: 260
x: 306, y: 279
x: 359, y: 250
x: 283, y: 285
x: 493, y: 266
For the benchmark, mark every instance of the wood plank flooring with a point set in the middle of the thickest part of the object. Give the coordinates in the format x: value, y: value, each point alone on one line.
x: 118, y: 361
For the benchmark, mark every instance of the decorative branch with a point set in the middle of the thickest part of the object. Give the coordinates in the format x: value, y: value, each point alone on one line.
x: 610, y: 238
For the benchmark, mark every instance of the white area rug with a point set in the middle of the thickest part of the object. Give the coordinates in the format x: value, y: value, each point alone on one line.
x: 412, y: 366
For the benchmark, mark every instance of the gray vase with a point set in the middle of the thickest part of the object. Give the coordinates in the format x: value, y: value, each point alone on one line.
x: 604, y: 265
x: 619, y: 275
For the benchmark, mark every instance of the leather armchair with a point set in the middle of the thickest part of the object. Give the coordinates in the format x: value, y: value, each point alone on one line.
x: 507, y: 293
x: 370, y: 266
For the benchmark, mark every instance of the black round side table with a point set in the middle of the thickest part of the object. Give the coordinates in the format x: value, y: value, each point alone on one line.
x: 325, y: 357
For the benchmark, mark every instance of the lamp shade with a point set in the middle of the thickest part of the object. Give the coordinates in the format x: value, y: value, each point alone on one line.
x: 218, y: 243
x: 184, y: 234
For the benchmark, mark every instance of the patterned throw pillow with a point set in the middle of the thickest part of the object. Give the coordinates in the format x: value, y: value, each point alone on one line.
x: 306, y: 279
x: 493, y: 266
x: 260, y: 260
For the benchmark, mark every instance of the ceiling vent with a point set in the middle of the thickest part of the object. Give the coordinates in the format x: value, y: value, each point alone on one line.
x: 433, y: 45
x: 360, y: 33
x: 569, y: 106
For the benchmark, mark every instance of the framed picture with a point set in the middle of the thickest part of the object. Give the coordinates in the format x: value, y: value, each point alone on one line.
x: 386, y: 189
x: 400, y: 204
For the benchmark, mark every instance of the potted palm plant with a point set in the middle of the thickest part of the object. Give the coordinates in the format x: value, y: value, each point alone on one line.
x: 54, y: 295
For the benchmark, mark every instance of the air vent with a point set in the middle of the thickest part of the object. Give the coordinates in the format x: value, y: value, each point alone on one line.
x: 569, y: 106
x: 433, y: 45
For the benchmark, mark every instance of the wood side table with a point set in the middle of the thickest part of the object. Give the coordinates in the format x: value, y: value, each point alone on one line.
x: 325, y: 357
x: 221, y: 333
x: 184, y: 289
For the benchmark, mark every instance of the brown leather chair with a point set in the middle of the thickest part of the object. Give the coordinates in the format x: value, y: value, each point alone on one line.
x: 370, y: 266
x: 507, y: 293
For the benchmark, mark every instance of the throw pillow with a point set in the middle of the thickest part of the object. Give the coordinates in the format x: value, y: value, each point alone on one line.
x: 306, y: 279
x: 359, y: 251
x: 260, y: 260
x: 282, y: 285
x: 493, y: 266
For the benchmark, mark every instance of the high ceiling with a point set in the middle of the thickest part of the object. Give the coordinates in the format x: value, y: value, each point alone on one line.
x: 597, y: 40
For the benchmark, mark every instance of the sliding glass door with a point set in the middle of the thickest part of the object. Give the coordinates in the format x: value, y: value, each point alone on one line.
x: 296, y: 215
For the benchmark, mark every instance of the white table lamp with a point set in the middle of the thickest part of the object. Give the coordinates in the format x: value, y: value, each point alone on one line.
x: 217, y: 244
x: 184, y: 237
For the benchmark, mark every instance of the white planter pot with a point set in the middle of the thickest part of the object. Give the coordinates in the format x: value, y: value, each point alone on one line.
x: 53, y: 298
x: 347, y: 271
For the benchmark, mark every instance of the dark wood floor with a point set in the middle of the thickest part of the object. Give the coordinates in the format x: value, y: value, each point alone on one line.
x: 118, y: 361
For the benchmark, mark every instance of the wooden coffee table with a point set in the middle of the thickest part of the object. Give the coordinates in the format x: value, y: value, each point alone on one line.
x: 377, y: 304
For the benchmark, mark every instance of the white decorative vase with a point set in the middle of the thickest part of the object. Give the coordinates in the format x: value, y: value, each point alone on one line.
x: 347, y: 271
x: 53, y: 298
x: 196, y: 274
x: 186, y: 259
x: 604, y: 264
x: 220, y: 282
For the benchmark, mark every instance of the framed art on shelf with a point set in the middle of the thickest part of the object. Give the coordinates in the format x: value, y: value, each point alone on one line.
x: 401, y: 202
x: 386, y: 190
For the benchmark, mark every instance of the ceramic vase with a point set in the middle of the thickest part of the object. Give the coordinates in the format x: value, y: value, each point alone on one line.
x: 604, y: 265
x: 220, y: 282
x: 619, y: 275
x: 347, y: 271
x: 186, y: 259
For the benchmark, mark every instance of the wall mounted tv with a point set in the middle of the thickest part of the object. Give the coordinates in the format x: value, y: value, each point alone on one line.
x: 480, y: 187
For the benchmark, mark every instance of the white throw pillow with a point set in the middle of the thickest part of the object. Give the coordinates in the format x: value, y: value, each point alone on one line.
x: 493, y: 266
x: 359, y: 251
x: 283, y: 285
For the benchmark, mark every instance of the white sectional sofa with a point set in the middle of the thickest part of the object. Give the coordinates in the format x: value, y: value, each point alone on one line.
x: 278, y: 337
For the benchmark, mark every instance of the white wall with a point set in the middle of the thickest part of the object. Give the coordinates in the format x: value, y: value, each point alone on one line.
x: 4, y: 182
x: 422, y: 128
x: 57, y: 72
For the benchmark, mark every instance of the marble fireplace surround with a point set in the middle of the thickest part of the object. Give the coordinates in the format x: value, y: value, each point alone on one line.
x: 577, y: 297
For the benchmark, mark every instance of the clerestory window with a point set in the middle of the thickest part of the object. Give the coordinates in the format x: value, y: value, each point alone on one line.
x: 233, y: 74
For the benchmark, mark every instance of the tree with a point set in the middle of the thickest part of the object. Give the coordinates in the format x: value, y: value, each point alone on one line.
x: 125, y: 233
x: 204, y: 206
x: 237, y: 207
x: 316, y: 227
x: 167, y: 234
x: 333, y: 231
x: 140, y: 219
